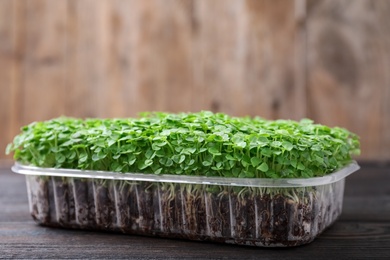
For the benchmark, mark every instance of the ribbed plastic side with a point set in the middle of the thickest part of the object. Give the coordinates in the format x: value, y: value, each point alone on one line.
x: 236, y: 215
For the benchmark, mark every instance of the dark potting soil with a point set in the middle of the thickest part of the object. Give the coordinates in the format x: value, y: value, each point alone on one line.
x: 176, y: 211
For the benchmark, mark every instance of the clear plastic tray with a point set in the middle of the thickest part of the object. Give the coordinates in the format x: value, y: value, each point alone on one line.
x: 257, y: 212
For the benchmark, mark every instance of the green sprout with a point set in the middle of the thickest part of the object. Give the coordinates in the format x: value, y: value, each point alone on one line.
x: 204, y: 143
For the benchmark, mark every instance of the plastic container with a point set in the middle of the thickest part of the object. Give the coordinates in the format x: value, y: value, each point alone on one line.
x: 256, y: 212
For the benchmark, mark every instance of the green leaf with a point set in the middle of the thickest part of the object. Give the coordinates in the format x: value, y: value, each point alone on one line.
x: 214, y: 151
x: 150, y: 153
x: 116, y: 167
x: 72, y: 155
x: 202, y: 149
x: 294, y: 163
x: 158, y: 171
x: 9, y: 148
x: 236, y: 172
x: 206, y: 163
x: 169, y: 162
x: 115, y: 157
x: 300, y: 166
x: 83, y: 157
x: 230, y: 157
x: 266, y: 152
x: 148, y: 162
x: 319, y: 159
x: 249, y: 174
x: 255, y: 161
x: 60, y: 158
x: 131, y: 160
x: 190, y: 150
x: 231, y: 165
x: 287, y: 145
x: 246, y: 161
x: 263, y: 167
x: 110, y: 142
x: 95, y: 157
x: 144, y: 164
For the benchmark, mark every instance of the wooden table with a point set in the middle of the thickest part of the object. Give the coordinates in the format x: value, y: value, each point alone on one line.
x: 363, y: 230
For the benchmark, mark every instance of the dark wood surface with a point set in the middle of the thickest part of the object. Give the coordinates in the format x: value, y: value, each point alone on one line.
x: 363, y: 230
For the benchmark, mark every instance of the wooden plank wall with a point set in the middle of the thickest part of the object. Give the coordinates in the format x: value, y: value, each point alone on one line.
x: 327, y: 60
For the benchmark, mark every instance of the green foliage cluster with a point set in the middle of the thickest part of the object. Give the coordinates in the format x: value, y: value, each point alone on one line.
x: 204, y: 143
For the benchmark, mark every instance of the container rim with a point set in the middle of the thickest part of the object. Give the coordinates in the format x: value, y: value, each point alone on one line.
x: 246, y: 182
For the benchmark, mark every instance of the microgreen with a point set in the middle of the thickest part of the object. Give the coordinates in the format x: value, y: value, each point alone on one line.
x: 204, y: 143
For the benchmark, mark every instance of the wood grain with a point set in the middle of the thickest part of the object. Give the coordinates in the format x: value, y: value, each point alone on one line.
x: 6, y: 70
x: 12, y: 42
x: 245, y: 65
x: 44, y: 83
x: 163, y: 53
x: 327, y: 60
x: 343, y: 241
x: 83, y: 62
x: 348, y: 56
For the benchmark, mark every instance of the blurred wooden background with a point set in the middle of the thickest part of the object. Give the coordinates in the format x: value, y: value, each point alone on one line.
x: 327, y: 60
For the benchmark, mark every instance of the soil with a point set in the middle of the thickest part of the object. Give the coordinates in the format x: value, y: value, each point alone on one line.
x: 181, y: 211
